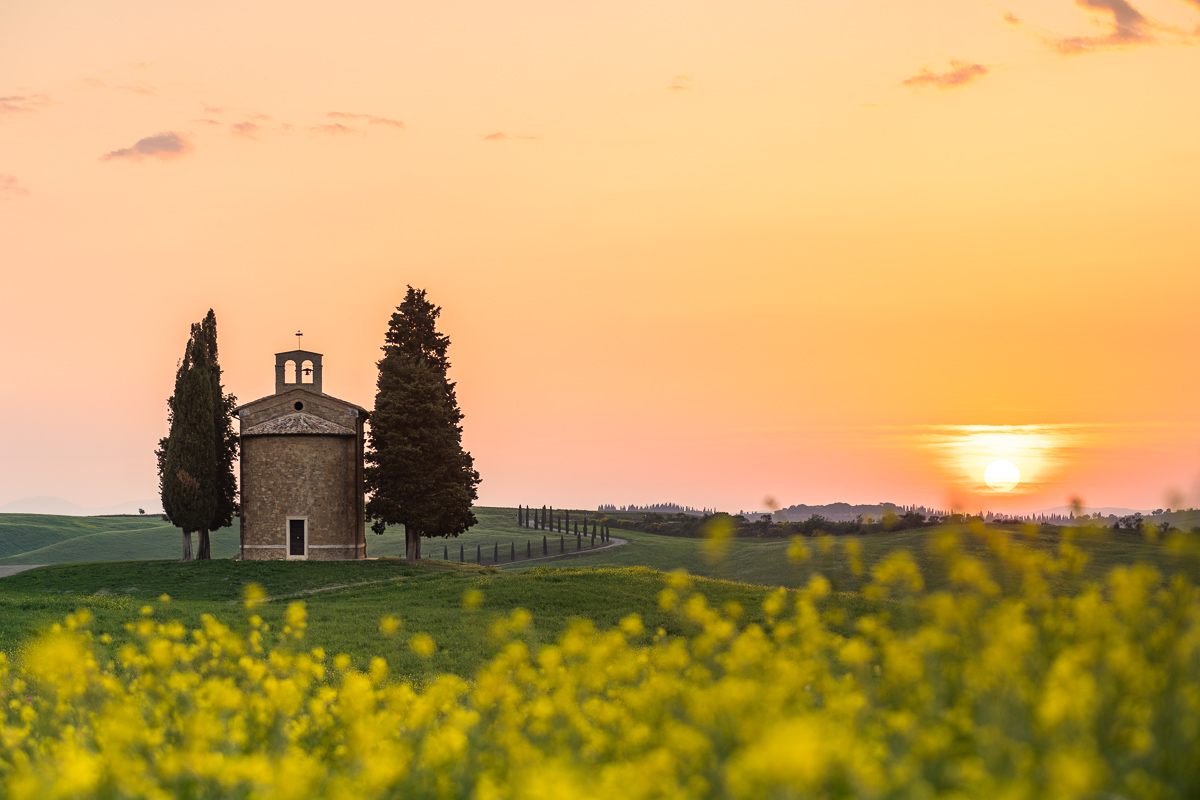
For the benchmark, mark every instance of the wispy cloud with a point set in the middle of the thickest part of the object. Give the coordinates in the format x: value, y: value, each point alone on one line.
x: 501, y: 136
x: 95, y: 83
x: 1128, y: 26
x: 205, y: 121
x: 370, y: 118
x: 960, y: 74
x: 680, y: 83
x: 163, y: 146
x: 10, y: 186
x: 23, y: 103
x: 1123, y: 27
x: 394, y: 123
x: 334, y: 129
x: 144, y: 89
x: 245, y: 129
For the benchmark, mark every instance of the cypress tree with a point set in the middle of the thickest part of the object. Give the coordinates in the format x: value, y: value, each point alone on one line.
x: 226, y: 441
x: 195, y: 460
x: 417, y: 471
x: 187, y: 457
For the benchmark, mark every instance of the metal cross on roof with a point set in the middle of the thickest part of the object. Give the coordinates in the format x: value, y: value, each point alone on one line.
x: 298, y: 335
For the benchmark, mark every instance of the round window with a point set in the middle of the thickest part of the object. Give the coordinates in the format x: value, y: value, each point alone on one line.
x: 299, y: 406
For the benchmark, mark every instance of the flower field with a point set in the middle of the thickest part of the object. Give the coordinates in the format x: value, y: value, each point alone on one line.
x: 998, y: 686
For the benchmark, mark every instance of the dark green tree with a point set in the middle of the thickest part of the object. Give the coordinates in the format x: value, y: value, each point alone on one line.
x: 195, y: 459
x: 417, y: 472
x: 226, y: 440
x: 187, y: 455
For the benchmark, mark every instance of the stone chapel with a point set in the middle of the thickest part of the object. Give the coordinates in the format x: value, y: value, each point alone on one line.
x: 302, y: 468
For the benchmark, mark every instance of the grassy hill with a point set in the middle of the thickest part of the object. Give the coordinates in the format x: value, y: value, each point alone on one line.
x: 134, y: 561
x: 50, y: 539
x: 44, y: 539
x: 346, y: 602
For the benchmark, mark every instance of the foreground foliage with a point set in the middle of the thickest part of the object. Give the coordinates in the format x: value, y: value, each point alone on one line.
x: 994, y: 687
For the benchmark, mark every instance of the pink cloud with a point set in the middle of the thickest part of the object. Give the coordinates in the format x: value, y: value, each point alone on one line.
x: 245, y: 129
x: 395, y: 123
x: 163, y: 146
x: 22, y: 103
x: 144, y: 89
x: 501, y: 136
x: 333, y: 129
x: 1129, y: 27
x: 959, y: 74
x: 9, y: 185
x: 370, y: 118
x: 680, y: 83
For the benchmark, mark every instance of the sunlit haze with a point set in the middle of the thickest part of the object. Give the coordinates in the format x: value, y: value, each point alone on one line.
x: 704, y: 253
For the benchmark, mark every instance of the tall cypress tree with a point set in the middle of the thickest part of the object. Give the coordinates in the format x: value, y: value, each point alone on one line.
x: 195, y: 459
x: 226, y: 440
x: 187, y: 456
x: 417, y: 471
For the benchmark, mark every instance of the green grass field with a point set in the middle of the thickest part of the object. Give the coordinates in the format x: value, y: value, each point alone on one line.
x: 49, y: 539
x: 133, y: 562
x: 427, y: 599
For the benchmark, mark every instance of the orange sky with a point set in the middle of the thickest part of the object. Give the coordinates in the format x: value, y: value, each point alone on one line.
x: 694, y: 252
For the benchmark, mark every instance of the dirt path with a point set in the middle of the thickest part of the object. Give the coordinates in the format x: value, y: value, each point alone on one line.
x: 613, y: 542
x: 13, y: 569
x: 332, y: 588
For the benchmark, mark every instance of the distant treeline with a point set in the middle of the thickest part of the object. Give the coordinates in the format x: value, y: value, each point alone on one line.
x: 657, y: 508
x: 690, y: 525
x: 844, y: 512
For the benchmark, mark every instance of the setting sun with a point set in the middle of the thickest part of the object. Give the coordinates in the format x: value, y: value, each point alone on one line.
x: 1002, y: 475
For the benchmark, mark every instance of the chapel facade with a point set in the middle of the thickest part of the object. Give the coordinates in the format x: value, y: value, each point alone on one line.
x: 302, y: 468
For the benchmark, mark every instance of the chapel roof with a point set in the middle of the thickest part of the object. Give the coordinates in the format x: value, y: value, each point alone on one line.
x: 299, y: 388
x: 298, y: 423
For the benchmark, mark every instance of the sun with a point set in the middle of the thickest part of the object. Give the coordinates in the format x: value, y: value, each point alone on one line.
x: 1002, y: 475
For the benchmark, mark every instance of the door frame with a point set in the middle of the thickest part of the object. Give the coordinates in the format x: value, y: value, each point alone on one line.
x: 287, y: 538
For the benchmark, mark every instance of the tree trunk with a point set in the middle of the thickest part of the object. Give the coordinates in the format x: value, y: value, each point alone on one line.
x: 187, y: 547
x: 419, y: 537
x: 205, y: 551
x: 411, y: 541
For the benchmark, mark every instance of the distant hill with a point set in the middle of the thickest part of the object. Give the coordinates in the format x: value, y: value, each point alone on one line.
x: 62, y: 507
x: 836, y: 512
x: 57, y: 539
